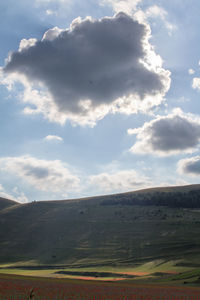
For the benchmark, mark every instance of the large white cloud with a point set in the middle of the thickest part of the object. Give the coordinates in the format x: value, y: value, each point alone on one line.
x: 88, y: 70
x: 166, y: 135
x: 189, y: 166
x: 44, y: 175
x: 119, y: 181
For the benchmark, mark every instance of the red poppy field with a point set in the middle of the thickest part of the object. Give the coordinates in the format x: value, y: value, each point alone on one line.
x: 14, y: 287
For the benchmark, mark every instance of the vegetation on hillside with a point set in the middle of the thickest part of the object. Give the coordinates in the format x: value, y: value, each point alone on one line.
x: 124, y: 231
x: 187, y: 199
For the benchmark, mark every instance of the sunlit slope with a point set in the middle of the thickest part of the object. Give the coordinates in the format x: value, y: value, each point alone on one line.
x: 124, y: 229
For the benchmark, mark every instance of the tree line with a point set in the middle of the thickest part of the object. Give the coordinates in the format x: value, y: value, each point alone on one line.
x: 190, y: 199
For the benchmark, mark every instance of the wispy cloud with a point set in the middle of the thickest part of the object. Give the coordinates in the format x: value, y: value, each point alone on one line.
x: 158, y: 12
x: 120, y: 181
x: 53, y: 138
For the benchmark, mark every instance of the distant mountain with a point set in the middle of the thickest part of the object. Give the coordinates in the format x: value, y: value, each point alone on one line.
x: 122, y: 229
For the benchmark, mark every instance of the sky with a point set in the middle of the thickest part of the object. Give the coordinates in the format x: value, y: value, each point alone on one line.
x: 98, y: 97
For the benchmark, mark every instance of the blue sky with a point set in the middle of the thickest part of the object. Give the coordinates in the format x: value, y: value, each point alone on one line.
x: 98, y: 97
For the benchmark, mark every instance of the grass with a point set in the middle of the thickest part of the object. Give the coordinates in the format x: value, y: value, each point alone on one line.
x: 103, y: 235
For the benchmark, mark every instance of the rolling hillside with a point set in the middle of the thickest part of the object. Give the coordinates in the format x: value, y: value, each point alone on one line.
x: 127, y: 229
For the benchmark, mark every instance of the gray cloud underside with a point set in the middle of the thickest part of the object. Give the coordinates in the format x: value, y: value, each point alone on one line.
x: 174, y: 134
x: 168, y: 134
x: 190, y: 166
x: 97, y: 60
x: 36, y: 172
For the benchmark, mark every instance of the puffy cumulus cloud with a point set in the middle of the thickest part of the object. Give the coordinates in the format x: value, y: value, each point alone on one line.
x: 53, y: 138
x: 17, y: 196
x: 167, y: 135
x: 93, y: 68
x: 189, y: 166
x: 44, y: 175
x: 127, y: 6
x: 119, y: 181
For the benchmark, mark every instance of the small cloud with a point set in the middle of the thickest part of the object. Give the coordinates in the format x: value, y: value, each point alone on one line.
x: 57, y: 8
x: 196, y: 83
x: 53, y: 138
x: 50, y: 12
x: 183, y: 99
x: 156, y: 11
x: 168, y: 135
x: 189, y: 166
x: 191, y: 71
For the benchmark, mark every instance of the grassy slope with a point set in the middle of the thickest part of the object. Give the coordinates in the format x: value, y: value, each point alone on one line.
x: 83, y: 233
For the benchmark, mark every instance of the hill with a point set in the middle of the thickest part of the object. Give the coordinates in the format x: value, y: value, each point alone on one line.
x: 5, y: 203
x: 129, y: 229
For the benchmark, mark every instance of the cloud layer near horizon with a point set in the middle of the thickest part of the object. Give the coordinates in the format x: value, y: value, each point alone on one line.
x: 43, y: 174
x: 88, y: 70
x: 119, y: 181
